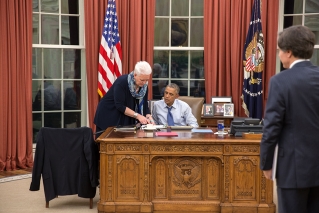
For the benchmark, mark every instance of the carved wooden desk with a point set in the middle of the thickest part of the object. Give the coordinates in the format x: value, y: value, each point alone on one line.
x: 194, y: 172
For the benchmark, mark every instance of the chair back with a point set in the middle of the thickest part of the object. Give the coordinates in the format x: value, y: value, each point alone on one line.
x: 196, y: 104
x: 67, y: 160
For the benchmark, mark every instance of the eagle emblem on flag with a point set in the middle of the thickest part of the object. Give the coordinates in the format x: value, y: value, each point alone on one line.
x: 255, y: 58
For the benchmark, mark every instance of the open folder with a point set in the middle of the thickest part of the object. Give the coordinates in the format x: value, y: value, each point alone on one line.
x: 166, y: 134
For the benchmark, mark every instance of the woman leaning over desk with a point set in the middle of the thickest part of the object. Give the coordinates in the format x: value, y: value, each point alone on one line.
x: 126, y: 101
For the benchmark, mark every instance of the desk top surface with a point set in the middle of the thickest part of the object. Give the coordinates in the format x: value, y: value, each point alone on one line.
x: 131, y: 136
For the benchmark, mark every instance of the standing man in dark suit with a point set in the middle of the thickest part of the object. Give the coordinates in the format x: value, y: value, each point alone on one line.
x: 292, y: 122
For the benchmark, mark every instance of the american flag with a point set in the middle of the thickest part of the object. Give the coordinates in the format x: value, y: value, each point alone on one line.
x: 253, y: 60
x: 110, y: 57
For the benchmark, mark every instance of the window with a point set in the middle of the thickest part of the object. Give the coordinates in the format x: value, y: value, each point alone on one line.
x: 179, y: 47
x: 302, y: 12
x: 57, y: 64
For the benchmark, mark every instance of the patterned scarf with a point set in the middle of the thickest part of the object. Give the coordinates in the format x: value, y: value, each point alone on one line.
x: 140, y: 95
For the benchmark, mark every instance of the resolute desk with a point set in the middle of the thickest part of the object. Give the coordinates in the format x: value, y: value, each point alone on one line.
x: 193, y: 172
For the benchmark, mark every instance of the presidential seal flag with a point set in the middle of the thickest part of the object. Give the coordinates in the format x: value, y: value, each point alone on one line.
x: 110, y: 57
x: 253, y: 61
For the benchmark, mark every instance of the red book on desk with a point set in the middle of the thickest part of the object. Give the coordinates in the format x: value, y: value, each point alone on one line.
x: 166, y: 134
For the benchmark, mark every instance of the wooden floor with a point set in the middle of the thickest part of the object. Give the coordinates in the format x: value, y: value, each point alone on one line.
x: 4, y: 174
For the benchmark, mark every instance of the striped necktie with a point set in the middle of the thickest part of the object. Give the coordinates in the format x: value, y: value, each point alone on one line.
x: 170, y: 120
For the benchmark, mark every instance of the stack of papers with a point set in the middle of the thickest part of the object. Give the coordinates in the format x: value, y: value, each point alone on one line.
x: 152, y: 127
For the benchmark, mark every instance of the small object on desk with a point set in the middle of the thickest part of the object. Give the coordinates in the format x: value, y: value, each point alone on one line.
x: 149, y: 128
x: 202, y: 130
x: 152, y: 127
x: 144, y: 134
x: 124, y: 129
x: 221, y: 133
x: 167, y: 134
x: 220, y: 126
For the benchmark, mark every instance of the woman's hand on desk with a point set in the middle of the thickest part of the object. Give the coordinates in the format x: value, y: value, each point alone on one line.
x: 150, y: 119
x: 144, y: 120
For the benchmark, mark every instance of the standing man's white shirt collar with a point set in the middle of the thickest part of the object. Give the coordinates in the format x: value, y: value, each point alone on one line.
x: 297, y: 61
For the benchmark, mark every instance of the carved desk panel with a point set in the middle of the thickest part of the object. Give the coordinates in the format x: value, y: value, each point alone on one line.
x: 194, y: 172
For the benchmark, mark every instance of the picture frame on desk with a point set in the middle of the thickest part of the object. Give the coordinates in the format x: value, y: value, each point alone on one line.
x: 229, y: 110
x: 224, y: 99
x: 218, y: 109
x: 208, y: 110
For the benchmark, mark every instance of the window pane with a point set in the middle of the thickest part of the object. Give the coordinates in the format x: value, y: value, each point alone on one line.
x: 292, y: 20
x: 160, y: 73
x: 36, y: 63
x: 162, y: 57
x: 36, y: 95
x: 162, y: 8
x: 158, y: 88
x: 197, y: 88
x: 179, y: 65
x: 72, y: 64
x: 312, y: 21
x: 183, y: 87
x: 52, y: 65
x: 315, y: 57
x: 72, y: 95
x: 70, y: 7
x: 72, y: 119
x: 70, y: 36
x: 312, y: 6
x: 293, y: 7
x: 37, y: 124
x: 52, y: 95
x: 180, y: 8
x: 179, y: 32
x: 51, y: 6
x: 197, y: 64
x: 197, y: 37
x: 197, y: 8
x: 35, y: 5
x: 52, y: 120
x: 161, y: 35
x: 50, y: 29
x: 35, y: 31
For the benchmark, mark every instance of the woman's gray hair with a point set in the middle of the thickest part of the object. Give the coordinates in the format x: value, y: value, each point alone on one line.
x: 143, y: 68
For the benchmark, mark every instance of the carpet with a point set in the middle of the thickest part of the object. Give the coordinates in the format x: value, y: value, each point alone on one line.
x: 15, y: 197
x: 16, y: 177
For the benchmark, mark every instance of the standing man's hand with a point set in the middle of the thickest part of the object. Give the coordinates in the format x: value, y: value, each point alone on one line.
x: 268, y: 174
